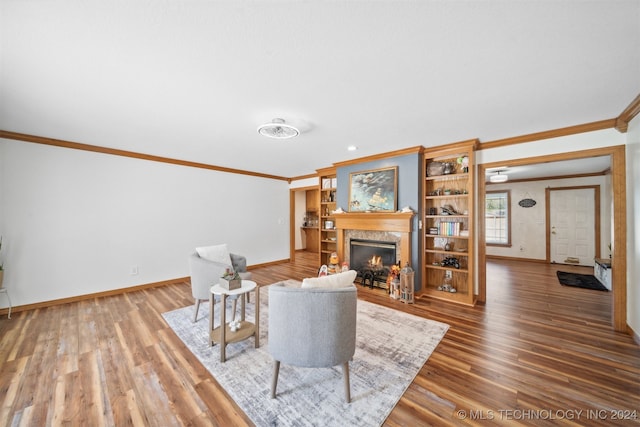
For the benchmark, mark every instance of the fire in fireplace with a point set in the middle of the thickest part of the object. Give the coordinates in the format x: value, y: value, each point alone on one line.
x: 372, y: 260
x: 375, y: 262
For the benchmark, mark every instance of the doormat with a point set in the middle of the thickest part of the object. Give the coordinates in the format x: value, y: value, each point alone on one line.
x: 586, y: 281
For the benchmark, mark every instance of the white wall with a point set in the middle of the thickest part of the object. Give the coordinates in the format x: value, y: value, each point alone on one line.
x: 307, y: 182
x: 76, y: 222
x: 528, y: 225
x: 633, y: 225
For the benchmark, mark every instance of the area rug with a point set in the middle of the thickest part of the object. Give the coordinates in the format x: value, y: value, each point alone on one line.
x: 391, y: 348
x: 586, y: 281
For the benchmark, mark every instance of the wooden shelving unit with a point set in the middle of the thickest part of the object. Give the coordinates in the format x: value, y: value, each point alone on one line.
x: 327, y: 203
x: 448, y: 229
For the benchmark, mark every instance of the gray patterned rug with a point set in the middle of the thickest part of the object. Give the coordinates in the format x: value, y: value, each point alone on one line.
x: 391, y: 348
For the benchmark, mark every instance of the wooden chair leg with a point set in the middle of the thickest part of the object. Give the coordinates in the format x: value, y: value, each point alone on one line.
x: 233, y: 309
x: 274, y: 380
x: 347, y: 387
x: 195, y: 312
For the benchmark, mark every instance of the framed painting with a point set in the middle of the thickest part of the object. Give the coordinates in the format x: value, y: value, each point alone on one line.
x: 374, y: 190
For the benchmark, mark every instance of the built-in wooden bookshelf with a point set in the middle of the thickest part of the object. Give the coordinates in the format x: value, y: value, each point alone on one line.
x: 328, y: 236
x: 448, y: 229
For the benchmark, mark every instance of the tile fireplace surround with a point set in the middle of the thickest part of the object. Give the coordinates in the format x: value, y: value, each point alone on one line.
x: 388, y: 227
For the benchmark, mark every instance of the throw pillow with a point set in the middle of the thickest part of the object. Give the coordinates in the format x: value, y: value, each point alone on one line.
x: 216, y: 253
x: 339, y: 280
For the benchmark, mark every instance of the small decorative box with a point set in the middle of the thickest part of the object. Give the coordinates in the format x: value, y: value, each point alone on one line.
x: 435, y: 168
x: 230, y: 284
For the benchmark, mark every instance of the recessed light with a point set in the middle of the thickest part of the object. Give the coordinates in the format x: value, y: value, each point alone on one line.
x: 352, y: 148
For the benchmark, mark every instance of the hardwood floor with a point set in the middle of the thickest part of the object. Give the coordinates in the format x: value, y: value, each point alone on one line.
x: 536, y: 354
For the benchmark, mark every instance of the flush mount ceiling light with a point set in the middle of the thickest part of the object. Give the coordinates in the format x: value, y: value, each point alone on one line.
x: 278, y: 129
x: 499, y: 177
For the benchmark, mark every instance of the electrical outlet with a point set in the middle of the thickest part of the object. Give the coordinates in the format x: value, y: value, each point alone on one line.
x: 134, y: 270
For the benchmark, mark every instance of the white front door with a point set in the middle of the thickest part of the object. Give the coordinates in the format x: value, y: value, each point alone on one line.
x: 572, y: 223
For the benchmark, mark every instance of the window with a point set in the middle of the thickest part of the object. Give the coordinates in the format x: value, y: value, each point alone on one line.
x: 497, y: 218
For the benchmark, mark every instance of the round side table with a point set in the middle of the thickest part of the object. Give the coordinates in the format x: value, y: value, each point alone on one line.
x: 223, y: 333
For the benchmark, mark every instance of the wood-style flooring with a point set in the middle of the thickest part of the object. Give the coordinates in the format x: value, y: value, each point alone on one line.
x: 536, y: 354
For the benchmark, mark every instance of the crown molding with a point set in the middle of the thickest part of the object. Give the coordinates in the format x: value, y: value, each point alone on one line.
x: 123, y: 153
x: 554, y: 133
x: 403, y: 152
x: 629, y: 113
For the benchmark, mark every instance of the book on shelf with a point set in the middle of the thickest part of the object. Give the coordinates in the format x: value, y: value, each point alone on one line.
x: 449, y: 228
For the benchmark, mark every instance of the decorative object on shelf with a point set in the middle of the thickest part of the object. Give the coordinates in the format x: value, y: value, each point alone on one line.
x: 338, y: 211
x: 406, y: 284
x: 406, y: 209
x: 463, y: 161
x: 374, y: 190
x: 448, y: 210
x: 450, y: 261
x: 446, y: 285
x: 278, y: 129
x: 230, y: 280
x: 449, y: 168
x: 435, y: 168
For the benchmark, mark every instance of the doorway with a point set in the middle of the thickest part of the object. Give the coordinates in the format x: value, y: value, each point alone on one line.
x: 303, y: 220
x: 573, y: 225
x: 619, y: 223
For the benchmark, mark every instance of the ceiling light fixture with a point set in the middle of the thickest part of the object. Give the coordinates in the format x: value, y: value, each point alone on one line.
x: 352, y: 148
x: 499, y: 177
x: 278, y: 129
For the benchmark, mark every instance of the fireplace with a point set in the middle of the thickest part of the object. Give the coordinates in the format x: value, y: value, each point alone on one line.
x: 389, y: 227
x: 372, y: 260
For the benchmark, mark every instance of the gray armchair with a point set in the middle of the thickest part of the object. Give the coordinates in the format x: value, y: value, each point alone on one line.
x: 205, y: 273
x: 312, y: 327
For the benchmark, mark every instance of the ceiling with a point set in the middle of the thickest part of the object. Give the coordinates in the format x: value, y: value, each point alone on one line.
x: 192, y: 80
